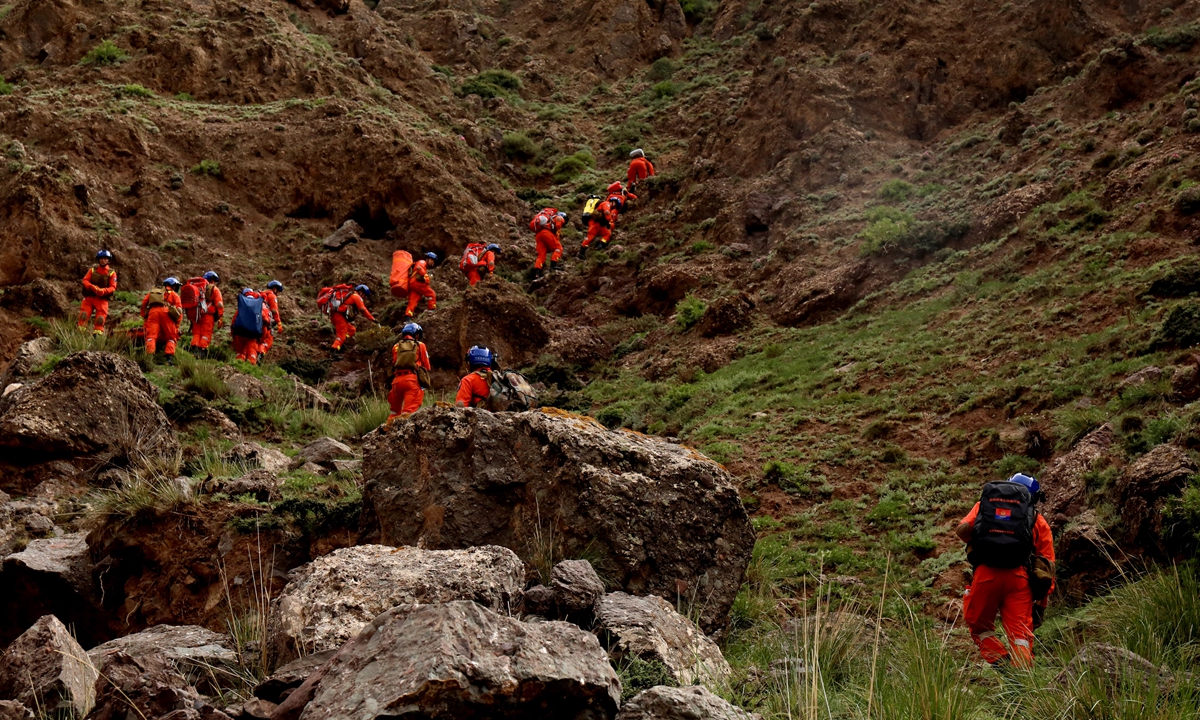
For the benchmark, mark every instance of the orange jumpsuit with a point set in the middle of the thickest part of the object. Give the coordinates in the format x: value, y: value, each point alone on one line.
x: 206, y: 324
x: 406, y: 394
x: 418, y: 287
x: 271, y: 302
x: 639, y: 169
x: 248, y: 348
x: 597, y: 230
x: 474, y: 274
x: 98, y: 287
x: 548, y: 241
x: 342, y: 326
x: 159, y: 324
x: 1005, y: 590
x: 473, y: 389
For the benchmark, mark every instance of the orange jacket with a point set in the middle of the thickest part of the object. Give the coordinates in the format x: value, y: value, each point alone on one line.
x: 422, y: 356
x: 473, y: 389
x: 639, y: 169
x: 100, y: 288
x: 607, y: 212
x: 419, y: 272
x: 272, y: 304
x: 1043, y: 537
x: 169, y: 295
x: 215, y: 303
x: 354, y: 301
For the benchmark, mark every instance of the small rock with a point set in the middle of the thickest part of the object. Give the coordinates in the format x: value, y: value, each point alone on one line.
x: 313, y: 469
x: 12, y: 388
x: 242, y: 385
x: 323, y: 451
x: 251, y: 454
x: 220, y: 422
x: 576, y: 586
x: 13, y: 710
x: 1143, y: 376
x: 1113, y: 662
x: 681, y: 703
x: 310, y: 397
x: 46, y: 668
x: 347, y: 466
x: 650, y: 629
x: 262, y: 484
x: 291, y: 676
x: 183, y: 486
x: 39, y: 525
x: 258, y: 709
x: 349, y: 232
x: 540, y: 600
x: 30, y: 355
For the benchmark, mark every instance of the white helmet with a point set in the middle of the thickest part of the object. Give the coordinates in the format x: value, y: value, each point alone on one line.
x: 637, y: 154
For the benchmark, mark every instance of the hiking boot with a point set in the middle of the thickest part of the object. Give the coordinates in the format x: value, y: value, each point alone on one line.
x: 554, y: 266
x: 170, y: 360
x: 582, y: 252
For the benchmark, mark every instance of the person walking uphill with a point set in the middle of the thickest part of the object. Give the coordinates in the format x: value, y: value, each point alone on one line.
x: 640, y: 168
x: 410, y: 362
x: 600, y: 225
x: 275, y: 325
x: 419, y: 279
x: 478, y: 260
x: 1011, y: 548
x: 340, y: 303
x: 547, y: 226
x: 162, y: 310
x: 210, y: 313
x: 251, y: 318
x: 99, y: 284
x: 474, y: 388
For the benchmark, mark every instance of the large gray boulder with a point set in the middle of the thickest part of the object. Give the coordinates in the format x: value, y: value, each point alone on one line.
x: 681, y: 703
x: 188, y: 648
x: 95, y: 405
x: 461, y: 660
x: 1065, y: 478
x: 1142, y: 490
x: 649, y: 628
x: 51, y: 577
x: 147, y: 686
x: 329, y: 600
x: 46, y: 668
x: 29, y: 356
x: 666, y: 520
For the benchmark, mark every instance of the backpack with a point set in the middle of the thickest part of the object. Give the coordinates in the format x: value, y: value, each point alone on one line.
x: 402, y: 263
x: 1003, y: 532
x: 471, y: 256
x: 600, y: 215
x: 590, y: 207
x: 406, y: 359
x: 249, y: 320
x: 156, y: 298
x: 192, y: 297
x: 330, y: 299
x: 544, y: 220
x: 510, y: 391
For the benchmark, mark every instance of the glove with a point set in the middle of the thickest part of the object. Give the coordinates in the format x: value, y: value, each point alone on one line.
x: 279, y: 327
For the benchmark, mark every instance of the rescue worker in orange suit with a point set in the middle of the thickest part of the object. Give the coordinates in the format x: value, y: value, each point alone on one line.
x: 419, y: 279
x: 474, y: 388
x: 271, y: 301
x: 1004, y: 544
x: 599, y: 227
x: 249, y: 348
x: 485, y: 265
x: 409, y: 358
x: 210, y: 321
x: 640, y: 168
x: 99, y: 284
x: 162, y: 310
x: 618, y: 198
x: 549, y: 240
x: 342, y: 327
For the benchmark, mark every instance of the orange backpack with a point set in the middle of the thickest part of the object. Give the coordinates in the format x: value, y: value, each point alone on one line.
x: 402, y: 263
x: 471, y: 256
x: 544, y: 220
x: 330, y: 299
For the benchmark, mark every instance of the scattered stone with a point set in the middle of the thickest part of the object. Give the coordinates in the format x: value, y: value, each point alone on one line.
x: 664, y: 516
x: 576, y: 586
x: 11, y: 388
x: 251, y: 454
x: 39, y: 525
x: 146, y: 686
x: 330, y: 599
x: 188, y: 648
x: 262, y: 484
x: 726, y: 315
x: 291, y: 676
x: 46, y: 668
x: 1144, y: 487
x: 650, y: 629
x: 349, y: 232
x: 1143, y: 376
x: 1115, y: 664
x: 460, y: 659
x: 258, y: 709
x: 310, y: 397
x: 313, y: 469
x: 225, y: 428
x: 540, y: 600
x: 347, y: 466
x: 50, y: 577
x: 323, y: 451
x: 29, y: 356
x: 681, y: 703
x: 242, y: 385
x: 13, y: 710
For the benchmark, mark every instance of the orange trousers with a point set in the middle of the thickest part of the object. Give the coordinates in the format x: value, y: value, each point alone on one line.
x: 596, y: 230
x: 1004, y: 591
x: 93, y: 306
x: 547, y: 242
x: 406, y: 394
x: 343, y: 328
x: 246, y: 349
x: 202, y: 330
x: 416, y: 291
x: 473, y: 277
x: 159, y: 326
x: 267, y: 340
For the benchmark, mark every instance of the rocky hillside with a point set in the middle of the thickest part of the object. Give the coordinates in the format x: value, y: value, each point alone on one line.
x: 892, y: 251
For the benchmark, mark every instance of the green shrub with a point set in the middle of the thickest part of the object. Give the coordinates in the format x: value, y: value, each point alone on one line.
x: 661, y: 69
x: 637, y: 675
x: 518, y: 145
x: 572, y: 166
x: 1181, y: 518
x: 1187, y: 202
x: 688, y: 312
x: 492, y: 83
x: 136, y: 91
x: 891, y: 229
x: 1181, y: 328
x: 1181, y: 280
x: 312, y: 372
x: 212, y: 168
x: 1178, y: 38
x: 665, y: 89
x: 896, y: 191
x: 6, y: 88
x: 106, y: 53
x: 697, y: 10
x: 200, y: 377
x: 700, y: 247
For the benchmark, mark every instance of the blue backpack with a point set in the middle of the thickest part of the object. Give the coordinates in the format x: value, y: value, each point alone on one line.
x: 249, y: 320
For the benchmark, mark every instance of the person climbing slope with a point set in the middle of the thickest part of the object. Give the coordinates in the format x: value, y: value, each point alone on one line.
x: 640, y: 168
x: 547, y: 226
x: 99, y: 284
x: 162, y: 310
x: 478, y: 260
x: 275, y: 325
x: 1011, y: 548
x: 251, y: 318
x: 600, y: 226
x: 410, y: 363
x: 341, y: 303
x: 209, y: 315
x: 419, y: 279
x: 474, y: 388
x: 618, y: 199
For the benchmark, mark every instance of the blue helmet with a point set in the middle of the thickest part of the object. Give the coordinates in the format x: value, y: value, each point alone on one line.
x: 104, y: 255
x: 479, y: 357
x: 172, y: 282
x: 494, y: 247
x: 362, y: 290
x: 412, y: 329
x: 565, y: 217
x: 431, y: 256
x: 1027, y: 481
x: 275, y: 285
x: 212, y: 276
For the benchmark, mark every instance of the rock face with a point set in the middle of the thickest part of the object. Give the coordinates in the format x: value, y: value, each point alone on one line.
x: 291, y: 676
x: 349, y: 232
x: 460, y: 659
x: 726, y: 315
x: 185, y: 647
x: 1142, y: 490
x: 252, y: 455
x: 46, y: 668
x: 29, y: 356
x: 329, y: 600
x: 1066, y: 489
x: 50, y: 577
x: 496, y: 314
x: 650, y: 629
x: 681, y: 703
x: 50, y: 419
x: 666, y: 519
x: 802, y: 299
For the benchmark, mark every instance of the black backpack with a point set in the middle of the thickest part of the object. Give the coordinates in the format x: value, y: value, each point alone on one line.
x: 1003, y: 532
